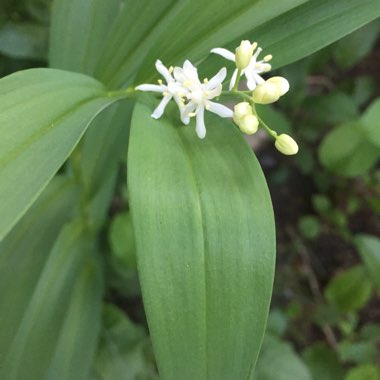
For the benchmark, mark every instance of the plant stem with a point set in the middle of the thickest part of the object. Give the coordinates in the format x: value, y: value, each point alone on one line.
x: 123, y: 93
x: 270, y: 131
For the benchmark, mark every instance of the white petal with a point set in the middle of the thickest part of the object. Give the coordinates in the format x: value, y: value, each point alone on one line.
x: 157, y: 113
x: 251, y: 83
x: 163, y: 71
x: 190, y: 71
x: 233, y: 79
x: 200, y: 127
x: 219, y: 109
x: 150, y: 87
x: 189, y: 108
x: 179, y: 74
x: 216, y: 91
x: 258, y: 78
x: 224, y: 53
x: 217, y: 79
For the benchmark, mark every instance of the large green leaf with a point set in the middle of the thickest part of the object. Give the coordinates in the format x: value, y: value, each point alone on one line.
x: 196, y: 24
x: 79, y: 31
x: 26, y: 248
x: 43, y: 114
x: 205, y: 241
x: 64, y: 305
x: 305, y: 29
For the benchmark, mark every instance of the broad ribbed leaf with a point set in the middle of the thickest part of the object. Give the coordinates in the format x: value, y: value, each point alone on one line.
x: 43, y: 114
x: 79, y: 31
x: 205, y: 240
x: 196, y: 24
x: 304, y: 30
x: 128, y: 33
x: 64, y: 305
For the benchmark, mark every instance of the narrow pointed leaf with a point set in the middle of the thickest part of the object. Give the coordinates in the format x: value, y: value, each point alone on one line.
x: 64, y: 304
x: 43, y: 114
x: 205, y: 241
x: 25, y: 250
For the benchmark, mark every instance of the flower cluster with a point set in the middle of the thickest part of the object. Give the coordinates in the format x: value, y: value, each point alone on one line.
x: 193, y: 97
x: 183, y: 84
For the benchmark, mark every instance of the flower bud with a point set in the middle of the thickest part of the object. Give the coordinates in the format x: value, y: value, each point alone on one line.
x: 265, y: 93
x: 286, y: 145
x: 240, y: 110
x: 244, y: 54
x: 281, y: 84
x: 249, y: 124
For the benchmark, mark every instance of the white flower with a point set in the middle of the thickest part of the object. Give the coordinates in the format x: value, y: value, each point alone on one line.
x: 170, y: 90
x: 253, y: 69
x: 199, y: 95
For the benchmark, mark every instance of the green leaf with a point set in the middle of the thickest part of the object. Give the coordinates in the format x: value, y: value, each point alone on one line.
x: 25, y: 250
x: 323, y: 362
x: 278, y: 361
x: 75, y: 348
x: 364, y: 372
x: 346, y: 151
x: 79, y: 32
x: 200, y: 26
x: 370, y: 121
x: 64, y: 304
x: 362, y: 352
x: 349, y: 290
x: 24, y: 40
x: 355, y: 46
x: 313, y: 25
x: 369, y: 249
x: 205, y: 242
x: 43, y: 114
x: 123, y: 349
x: 307, y: 28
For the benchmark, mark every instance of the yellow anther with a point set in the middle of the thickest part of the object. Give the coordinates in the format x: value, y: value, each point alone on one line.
x: 205, y: 80
x: 254, y: 45
x: 268, y: 57
x: 171, y: 69
x: 160, y: 81
x: 165, y: 93
x: 207, y: 107
x: 191, y: 114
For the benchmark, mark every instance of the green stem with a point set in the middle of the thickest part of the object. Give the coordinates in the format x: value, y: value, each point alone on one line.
x: 129, y: 92
x: 270, y: 131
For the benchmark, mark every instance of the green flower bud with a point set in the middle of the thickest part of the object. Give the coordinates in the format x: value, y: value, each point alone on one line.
x: 244, y: 54
x: 265, y: 93
x: 286, y: 145
x: 249, y: 124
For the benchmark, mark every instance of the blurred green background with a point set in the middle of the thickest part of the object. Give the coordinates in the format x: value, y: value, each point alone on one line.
x: 325, y: 316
